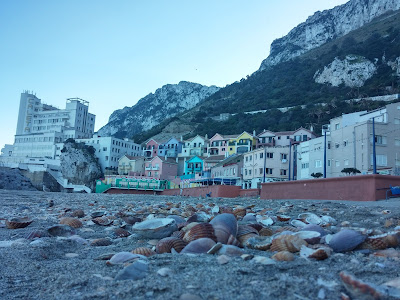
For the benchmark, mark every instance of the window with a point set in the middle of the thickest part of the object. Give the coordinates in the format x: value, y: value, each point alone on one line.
x: 270, y: 155
x: 305, y: 137
x: 381, y: 160
x: 380, y: 140
x: 279, y: 137
x: 268, y: 171
x: 346, y: 162
x: 305, y: 165
x: 245, y: 171
x: 337, y: 163
x: 397, y: 142
x: 345, y: 143
x: 255, y: 156
x: 261, y: 170
x: 337, y: 145
x: 249, y: 172
x: 223, y: 149
x: 283, y: 172
x: 336, y: 126
x: 288, y: 137
x: 250, y: 157
x: 329, y: 162
x: 283, y: 156
x: 329, y: 145
x: 261, y: 155
x: 247, y: 158
x: 318, y: 163
x: 106, y: 157
x: 104, y: 148
x: 396, y: 121
x: 149, y: 173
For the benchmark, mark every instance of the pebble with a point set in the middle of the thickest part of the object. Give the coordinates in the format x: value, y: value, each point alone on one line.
x: 135, y: 271
x: 189, y: 297
x: 6, y: 244
x: 247, y: 256
x: 321, y: 294
x: 71, y: 255
x: 164, y: 272
x: 223, y: 259
x: 263, y: 260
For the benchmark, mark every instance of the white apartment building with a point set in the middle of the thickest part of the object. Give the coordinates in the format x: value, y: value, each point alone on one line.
x: 271, y: 161
x: 41, y: 126
x: 108, y: 149
x: 350, y: 144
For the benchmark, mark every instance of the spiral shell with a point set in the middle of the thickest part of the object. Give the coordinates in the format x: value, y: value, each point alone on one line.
x: 283, y: 256
x: 165, y: 245
x: 101, y: 242
x: 144, y: 251
x: 199, y: 246
x: 103, y: 221
x: 224, y: 225
x: 15, y: 223
x: 75, y: 223
x: 201, y: 230
x: 289, y: 243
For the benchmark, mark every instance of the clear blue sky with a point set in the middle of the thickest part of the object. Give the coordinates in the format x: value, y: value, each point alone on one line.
x: 112, y: 53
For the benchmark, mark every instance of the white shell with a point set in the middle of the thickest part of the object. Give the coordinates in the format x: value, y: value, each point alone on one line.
x: 267, y: 221
x: 328, y: 220
x: 297, y: 223
x: 155, y: 228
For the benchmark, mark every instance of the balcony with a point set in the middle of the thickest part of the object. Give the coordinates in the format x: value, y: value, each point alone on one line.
x: 243, y: 143
x: 154, y: 168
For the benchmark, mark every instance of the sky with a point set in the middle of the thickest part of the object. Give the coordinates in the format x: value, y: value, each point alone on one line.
x: 113, y: 53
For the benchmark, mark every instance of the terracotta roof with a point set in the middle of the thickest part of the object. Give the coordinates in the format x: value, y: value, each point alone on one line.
x: 284, y: 133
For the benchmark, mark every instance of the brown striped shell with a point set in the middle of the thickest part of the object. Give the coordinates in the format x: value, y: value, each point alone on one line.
x: 289, y: 243
x: 144, y: 251
x: 265, y: 231
x: 283, y: 218
x: 201, y: 230
x: 78, y: 213
x: 233, y: 241
x: 244, y: 233
x: 101, y: 242
x: 179, y: 234
x: 320, y: 253
x: 104, y: 221
x: 36, y: 234
x: 120, y: 232
x: 198, y: 246
x: 287, y: 228
x: 283, y: 256
x: 16, y: 223
x: 239, y: 212
x: 73, y: 222
x: 166, y: 244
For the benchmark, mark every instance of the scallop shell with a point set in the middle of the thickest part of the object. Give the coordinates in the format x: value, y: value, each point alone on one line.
x: 36, y: 234
x: 239, y: 212
x: 314, y: 227
x: 230, y: 250
x: 103, y: 221
x: 166, y: 244
x: 310, y: 218
x: 297, y: 223
x: 201, y: 230
x: 289, y: 243
x: 283, y: 256
x: 131, y: 219
x: 61, y: 230
x: 101, y: 242
x: 15, y: 223
x: 120, y: 232
x: 328, y: 220
x: 75, y: 223
x: 199, y: 246
x: 259, y: 242
x: 78, y: 213
x: 179, y: 234
x: 233, y: 241
x: 97, y: 214
x: 283, y: 218
x: 266, y: 231
x: 155, y: 228
x: 265, y: 221
x: 144, y: 251
x: 320, y: 253
x: 311, y: 237
x: 286, y: 228
x: 245, y: 229
x: 122, y: 257
x: 256, y: 226
x: 249, y: 218
x: 224, y: 225
x: 359, y: 289
x: 346, y: 240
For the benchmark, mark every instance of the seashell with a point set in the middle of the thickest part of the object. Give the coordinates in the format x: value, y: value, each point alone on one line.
x: 265, y: 221
x: 178, y: 219
x: 97, y: 214
x: 131, y: 220
x: 215, y: 210
x: 359, y: 289
x: 15, y: 223
x: 265, y: 231
x: 283, y: 256
x: 249, y: 218
x: 226, y: 210
x: 328, y: 220
x: 388, y: 253
x: 311, y: 237
x: 199, y: 217
x: 230, y: 250
x: 314, y: 227
x: 144, y: 251
x: 123, y: 257
x: 392, y: 239
x: 246, y: 229
x: 75, y: 223
x: 224, y: 225
x: 179, y: 234
x: 78, y: 239
x: 135, y: 271
x: 78, y: 213
x: 239, y: 212
x: 297, y: 223
x: 346, y: 240
x: 259, y: 242
x: 283, y: 218
x: 166, y: 244
x: 199, y: 246
x: 36, y: 234
x: 310, y: 218
x: 103, y: 221
x: 155, y: 228
x: 201, y: 230
x: 214, y: 249
x: 233, y: 241
x: 106, y: 256
x: 101, y: 242
x: 320, y: 253
x: 286, y: 228
x: 289, y: 243
x: 256, y: 226
x: 61, y: 230
x: 120, y: 232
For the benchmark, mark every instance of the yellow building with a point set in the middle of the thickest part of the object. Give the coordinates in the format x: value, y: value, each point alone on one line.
x: 243, y: 143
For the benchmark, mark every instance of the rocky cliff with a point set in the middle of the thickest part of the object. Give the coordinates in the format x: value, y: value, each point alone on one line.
x: 79, y: 165
x: 166, y: 102
x: 12, y: 179
x: 325, y: 26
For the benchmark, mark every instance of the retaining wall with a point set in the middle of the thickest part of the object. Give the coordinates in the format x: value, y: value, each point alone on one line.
x: 131, y: 191
x: 249, y: 193
x: 357, y: 188
x: 225, y: 191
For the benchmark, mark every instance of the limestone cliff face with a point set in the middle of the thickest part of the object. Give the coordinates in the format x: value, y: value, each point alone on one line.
x: 166, y: 102
x: 78, y: 165
x: 12, y: 179
x: 353, y: 71
x: 395, y: 65
x: 325, y: 26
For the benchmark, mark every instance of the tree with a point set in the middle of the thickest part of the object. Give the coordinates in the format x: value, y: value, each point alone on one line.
x: 317, y: 175
x: 349, y: 171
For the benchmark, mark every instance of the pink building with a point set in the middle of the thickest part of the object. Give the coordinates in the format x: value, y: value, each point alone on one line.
x: 161, y: 168
x: 218, y: 144
x: 151, y: 148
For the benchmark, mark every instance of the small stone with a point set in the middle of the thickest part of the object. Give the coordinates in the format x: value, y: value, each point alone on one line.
x: 71, y: 255
x: 135, y: 271
x: 189, y: 297
x: 223, y: 259
x: 149, y: 294
x: 164, y: 272
x: 152, y: 242
x: 345, y: 224
x: 263, y: 260
x: 247, y: 256
x: 6, y: 244
x: 321, y: 294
